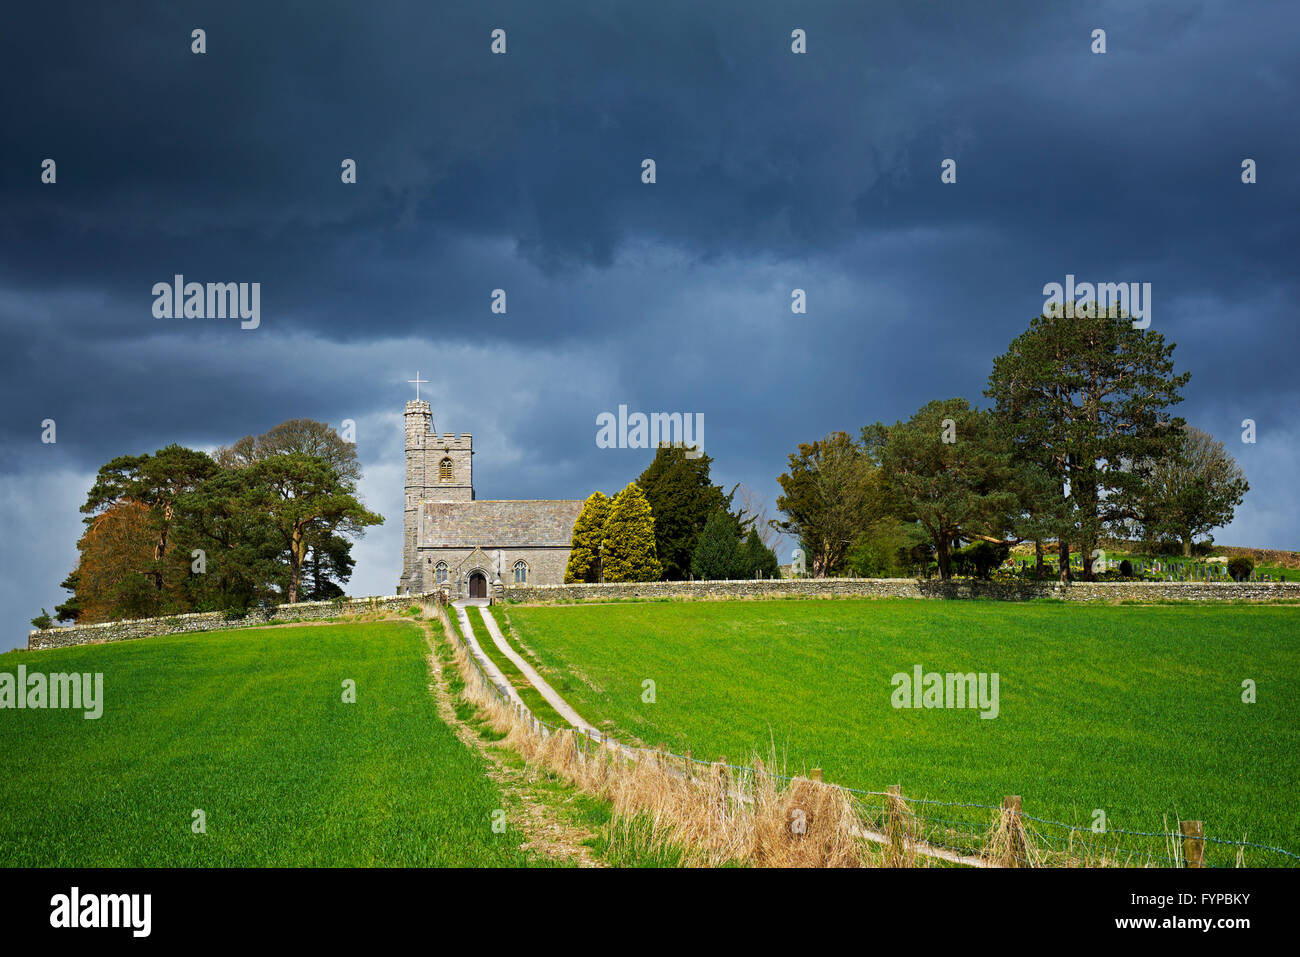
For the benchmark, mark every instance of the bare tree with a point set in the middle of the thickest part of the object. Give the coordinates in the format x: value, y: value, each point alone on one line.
x: 1192, y: 490
x: 753, y: 508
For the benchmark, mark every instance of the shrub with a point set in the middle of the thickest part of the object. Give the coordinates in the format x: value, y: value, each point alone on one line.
x: 43, y: 620
x: 980, y: 558
x: 1126, y: 568
x: 888, y: 548
x: 1240, y: 567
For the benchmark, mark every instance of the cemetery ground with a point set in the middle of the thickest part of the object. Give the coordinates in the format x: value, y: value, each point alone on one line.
x: 250, y: 728
x: 1284, y: 566
x: 1134, y: 711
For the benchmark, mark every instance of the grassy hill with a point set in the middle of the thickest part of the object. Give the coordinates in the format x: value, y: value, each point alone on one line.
x: 1135, y: 710
x: 250, y: 727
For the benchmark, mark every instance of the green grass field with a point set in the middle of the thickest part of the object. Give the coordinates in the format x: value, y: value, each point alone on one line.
x: 1136, y: 710
x: 250, y: 727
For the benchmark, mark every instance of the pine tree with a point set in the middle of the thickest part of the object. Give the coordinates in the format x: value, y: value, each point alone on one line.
x: 717, y: 556
x: 628, y: 547
x: 1087, y: 397
x: 957, y: 484
x: 588, y: 531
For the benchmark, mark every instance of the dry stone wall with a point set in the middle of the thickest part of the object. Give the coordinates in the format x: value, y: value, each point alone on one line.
x: 212, y: 621
x: 911, y: 588
x: 613, y: 591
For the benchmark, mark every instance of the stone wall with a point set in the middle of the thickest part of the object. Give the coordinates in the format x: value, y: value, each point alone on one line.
x: 911, y: 588
x: 783, y: 588
x: 212, y: 621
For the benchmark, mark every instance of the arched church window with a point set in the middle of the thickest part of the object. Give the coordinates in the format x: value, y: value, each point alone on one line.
x: 521, y: 573
x: 440, y: 572
x: 444, y: 470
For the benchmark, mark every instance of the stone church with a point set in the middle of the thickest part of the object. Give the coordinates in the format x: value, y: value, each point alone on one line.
x: 468, y: 547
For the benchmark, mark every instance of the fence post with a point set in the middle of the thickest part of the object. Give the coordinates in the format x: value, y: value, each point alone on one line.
x: 1017, y: 852
x: 1193, y: 843
x: 897, y: 854
x: 815, y: 774
x: 722, y: 778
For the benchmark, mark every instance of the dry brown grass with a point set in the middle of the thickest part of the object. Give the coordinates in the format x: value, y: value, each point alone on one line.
x: 902, y: 830
x: 1009, y: 843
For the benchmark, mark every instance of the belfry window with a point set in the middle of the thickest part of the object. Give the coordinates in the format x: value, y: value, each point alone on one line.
x: 444, y: 470
x: 521, y: 573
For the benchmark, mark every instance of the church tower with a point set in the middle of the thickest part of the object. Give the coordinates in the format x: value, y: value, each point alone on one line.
x: 439, y: 468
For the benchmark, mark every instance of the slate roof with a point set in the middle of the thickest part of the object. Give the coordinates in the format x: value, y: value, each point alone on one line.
x: 493, y: 523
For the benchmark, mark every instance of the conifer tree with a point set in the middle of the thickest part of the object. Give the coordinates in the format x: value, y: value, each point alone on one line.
x: 756, y: 559
x: 682, y: 497
x: 588, y: 531
x: 628, y: 547
x: 717, y: 555
x: 1086, y: 397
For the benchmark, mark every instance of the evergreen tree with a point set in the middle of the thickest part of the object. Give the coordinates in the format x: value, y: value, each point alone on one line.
x: 155, y: 482
x: 244, y: 560
x: 682, y: 498
x: 717, y: 555
x: 757, y: 559
x: 952, y: 467
x: 628, y: 546
x: 1086, y: 398
x: 301, y: 495
x: 69, y: 610
x: 588, y: 531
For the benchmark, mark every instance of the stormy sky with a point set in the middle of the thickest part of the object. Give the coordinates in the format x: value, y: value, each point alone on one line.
x: 522, y: 172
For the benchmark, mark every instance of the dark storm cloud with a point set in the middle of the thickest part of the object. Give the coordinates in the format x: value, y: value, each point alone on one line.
x: 523, y: 172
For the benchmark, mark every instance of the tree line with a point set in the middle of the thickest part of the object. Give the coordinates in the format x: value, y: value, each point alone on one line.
x: 266, y: 520
x: 1079, y: 442
x: 672, y: 523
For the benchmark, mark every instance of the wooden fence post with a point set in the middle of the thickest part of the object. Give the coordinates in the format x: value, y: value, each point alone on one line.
x: 1018, y: 853
x: 722, y: 780
x: 1193, y: 843
x: 898, y: 853
x: 815, y: 774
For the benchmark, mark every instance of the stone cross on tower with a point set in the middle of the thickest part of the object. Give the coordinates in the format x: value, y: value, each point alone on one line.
x: 417, y: 382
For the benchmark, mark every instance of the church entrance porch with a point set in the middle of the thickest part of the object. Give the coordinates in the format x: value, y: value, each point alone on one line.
x: 478, y: 585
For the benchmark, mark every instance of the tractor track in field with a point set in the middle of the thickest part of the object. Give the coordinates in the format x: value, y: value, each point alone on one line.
x: 545, y: 826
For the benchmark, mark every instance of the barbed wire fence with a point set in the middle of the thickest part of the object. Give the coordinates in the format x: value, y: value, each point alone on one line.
x: 960, y: 833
